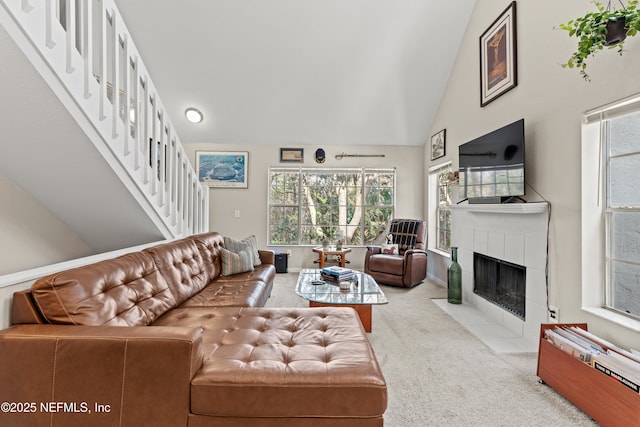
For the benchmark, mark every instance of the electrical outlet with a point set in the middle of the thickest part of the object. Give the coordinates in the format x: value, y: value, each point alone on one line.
x: 554, y: 314
x: 237, y: 213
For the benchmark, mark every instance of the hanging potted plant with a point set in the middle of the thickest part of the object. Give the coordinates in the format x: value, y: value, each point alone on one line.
x: 596, y: 30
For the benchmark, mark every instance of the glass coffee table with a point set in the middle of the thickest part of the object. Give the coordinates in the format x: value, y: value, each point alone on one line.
x: 360, y: 294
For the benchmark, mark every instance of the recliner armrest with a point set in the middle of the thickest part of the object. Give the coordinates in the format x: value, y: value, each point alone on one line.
x: 415, y: 251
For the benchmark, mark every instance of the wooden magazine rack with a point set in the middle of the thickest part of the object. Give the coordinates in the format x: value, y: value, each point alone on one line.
x: 599, y: 396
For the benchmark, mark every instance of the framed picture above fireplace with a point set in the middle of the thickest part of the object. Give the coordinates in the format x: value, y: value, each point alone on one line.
x: 498, y: 70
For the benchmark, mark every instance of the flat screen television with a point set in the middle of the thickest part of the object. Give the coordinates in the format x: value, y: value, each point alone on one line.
x: 492, y: 166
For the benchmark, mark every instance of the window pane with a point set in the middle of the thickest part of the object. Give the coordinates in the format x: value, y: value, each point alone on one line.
x: 442, y: 195
x: 283, y: 228
x: 376, y: 222
x: 442, y: 221
x: 449, y: 193
x: 379, y: 196
x: 310, y: 234
x: 626, y: 293
x: 625, y: 236
x: 354, y: 235
x: 447, y: 224
x: 625, y: 134
x: 379, y: 189
x: 624, y: 181
x: 283, y: 188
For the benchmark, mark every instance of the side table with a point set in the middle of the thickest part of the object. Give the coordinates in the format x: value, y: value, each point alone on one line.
x: 324, y: 254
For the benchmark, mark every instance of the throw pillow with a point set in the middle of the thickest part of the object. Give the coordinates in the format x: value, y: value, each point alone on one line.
x: 390, y: 249
x: 234, y: 263
x: 405, y: 233
x: 249, y: 244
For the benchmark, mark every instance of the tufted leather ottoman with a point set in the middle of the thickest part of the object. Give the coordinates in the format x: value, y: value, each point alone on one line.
x: 290, y: 366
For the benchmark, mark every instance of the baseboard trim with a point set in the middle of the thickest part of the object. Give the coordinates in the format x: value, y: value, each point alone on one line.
x: 436, y: 280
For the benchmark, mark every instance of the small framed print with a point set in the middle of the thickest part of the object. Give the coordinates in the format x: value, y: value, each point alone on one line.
x: 292, y: 155
x: 438, y: 144
x: 498, y: 70
x: 223, y: 169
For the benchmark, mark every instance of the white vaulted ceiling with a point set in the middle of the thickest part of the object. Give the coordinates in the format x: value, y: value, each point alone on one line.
x: 262, y: 71
x: 300, y: 71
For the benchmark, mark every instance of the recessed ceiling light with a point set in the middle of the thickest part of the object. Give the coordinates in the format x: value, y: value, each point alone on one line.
x: 194, y: 115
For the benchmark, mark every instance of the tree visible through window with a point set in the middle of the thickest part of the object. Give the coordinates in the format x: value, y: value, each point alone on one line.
x: 309, y: 205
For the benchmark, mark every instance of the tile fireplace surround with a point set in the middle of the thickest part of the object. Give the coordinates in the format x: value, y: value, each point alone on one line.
x: 516, y: 233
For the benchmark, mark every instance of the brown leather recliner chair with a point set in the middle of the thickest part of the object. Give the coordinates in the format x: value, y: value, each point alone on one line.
x: 409, y: 266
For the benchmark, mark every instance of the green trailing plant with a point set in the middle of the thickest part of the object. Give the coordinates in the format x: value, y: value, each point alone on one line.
x: 592, y: 29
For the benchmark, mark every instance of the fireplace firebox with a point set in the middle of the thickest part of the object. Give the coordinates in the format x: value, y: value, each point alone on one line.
x: 500, y: 282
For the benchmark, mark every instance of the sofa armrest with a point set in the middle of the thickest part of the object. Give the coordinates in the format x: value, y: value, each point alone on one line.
x: 267, y: 257
x: 24, y: 309
x: 106, y: 375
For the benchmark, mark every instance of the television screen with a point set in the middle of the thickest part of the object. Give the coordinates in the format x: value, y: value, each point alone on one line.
x: 492, y: 166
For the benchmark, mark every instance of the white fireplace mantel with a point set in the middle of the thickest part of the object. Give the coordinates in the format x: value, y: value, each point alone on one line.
x: 505, y: 208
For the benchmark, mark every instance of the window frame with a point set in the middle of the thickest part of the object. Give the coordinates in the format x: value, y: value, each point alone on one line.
x: 609, y: 209
x: 434, y: 206
x: 596, y: 294
x: 300, y: 205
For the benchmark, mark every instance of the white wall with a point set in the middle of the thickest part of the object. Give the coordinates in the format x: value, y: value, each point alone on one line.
x: 252, y: 202
x: 551, y: 99
x: 31, y: 235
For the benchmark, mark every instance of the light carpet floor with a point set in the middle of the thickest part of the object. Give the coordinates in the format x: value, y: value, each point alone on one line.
x: 439, y: 374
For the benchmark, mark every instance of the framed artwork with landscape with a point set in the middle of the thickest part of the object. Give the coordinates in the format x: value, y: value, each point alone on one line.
x: 223, y: 169
x: 498, y: 71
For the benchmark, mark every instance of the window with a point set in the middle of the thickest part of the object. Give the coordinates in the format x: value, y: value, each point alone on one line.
x: 309, y: 205
x: 440, y: 208
x: 622, y: 213
x: 611, y: 209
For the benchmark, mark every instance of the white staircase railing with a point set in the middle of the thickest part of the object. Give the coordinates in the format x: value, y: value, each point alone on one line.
x: 87, y: 46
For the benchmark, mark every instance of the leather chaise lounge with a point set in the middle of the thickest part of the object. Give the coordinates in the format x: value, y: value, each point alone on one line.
x: 160, y: 338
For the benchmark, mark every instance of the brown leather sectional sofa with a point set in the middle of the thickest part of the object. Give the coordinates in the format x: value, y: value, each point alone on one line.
x: 160, y: 338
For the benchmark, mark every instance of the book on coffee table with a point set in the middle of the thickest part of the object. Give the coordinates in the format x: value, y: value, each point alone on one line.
x: 337, y: 274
